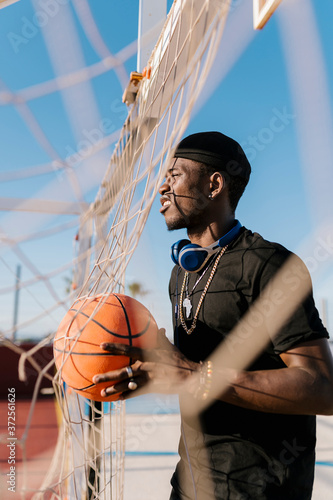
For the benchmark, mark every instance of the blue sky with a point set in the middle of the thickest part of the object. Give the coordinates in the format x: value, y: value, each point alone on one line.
x: 279, y: 116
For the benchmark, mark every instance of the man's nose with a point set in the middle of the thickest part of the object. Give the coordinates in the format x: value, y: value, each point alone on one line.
x: 164, y: 188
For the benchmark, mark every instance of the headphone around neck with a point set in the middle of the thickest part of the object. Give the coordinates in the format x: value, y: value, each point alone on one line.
x: 192, y: 257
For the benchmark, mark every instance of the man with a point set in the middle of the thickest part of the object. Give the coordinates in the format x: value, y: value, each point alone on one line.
x: 257, y: 439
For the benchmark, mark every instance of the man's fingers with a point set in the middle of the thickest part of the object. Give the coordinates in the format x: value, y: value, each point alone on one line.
x: 120, y: 374
x: 161, y: 332
x: 135, y: 353
x: 123, y: 386
x: 163, y: 341
x: 123, y: 350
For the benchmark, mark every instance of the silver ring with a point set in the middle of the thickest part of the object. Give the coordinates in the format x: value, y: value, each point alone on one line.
x: 132, y: 385
x: 129, y: 371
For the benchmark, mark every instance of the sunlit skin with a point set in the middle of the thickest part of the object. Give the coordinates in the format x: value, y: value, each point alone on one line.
x: 186, y: 204
x: 199, y: 202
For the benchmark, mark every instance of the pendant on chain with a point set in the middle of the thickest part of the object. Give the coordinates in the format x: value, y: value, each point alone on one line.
x: 188, y: 306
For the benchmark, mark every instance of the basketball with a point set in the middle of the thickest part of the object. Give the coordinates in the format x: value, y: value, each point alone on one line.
x: 89, y: 322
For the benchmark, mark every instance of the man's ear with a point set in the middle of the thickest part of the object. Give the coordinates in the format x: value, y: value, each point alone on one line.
x: 217, y: 184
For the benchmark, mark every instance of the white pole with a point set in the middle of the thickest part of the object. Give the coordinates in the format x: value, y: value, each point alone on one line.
x: 152, y: 15
x: 16, y: 301
x: 324, y: 315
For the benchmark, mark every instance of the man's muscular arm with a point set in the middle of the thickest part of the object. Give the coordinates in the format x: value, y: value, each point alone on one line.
x: 304, y: 386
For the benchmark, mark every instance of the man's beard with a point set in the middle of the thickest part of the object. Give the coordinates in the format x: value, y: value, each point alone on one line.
x: 183, y: 222
x: 175, y: 224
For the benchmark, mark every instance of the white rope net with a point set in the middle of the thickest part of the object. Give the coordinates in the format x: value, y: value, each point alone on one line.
x: 89, y: 456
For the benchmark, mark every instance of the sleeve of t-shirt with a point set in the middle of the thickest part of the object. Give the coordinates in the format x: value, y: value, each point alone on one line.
x: 173, y: 282
x: 304, y: 324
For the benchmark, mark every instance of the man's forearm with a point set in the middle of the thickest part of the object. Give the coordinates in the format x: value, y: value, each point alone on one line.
x: 291, y: 390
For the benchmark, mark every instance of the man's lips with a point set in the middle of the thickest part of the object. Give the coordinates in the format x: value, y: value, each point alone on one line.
x: 165, y: 202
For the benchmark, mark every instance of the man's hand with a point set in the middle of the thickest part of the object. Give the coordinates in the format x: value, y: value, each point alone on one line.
x: 162, y: 369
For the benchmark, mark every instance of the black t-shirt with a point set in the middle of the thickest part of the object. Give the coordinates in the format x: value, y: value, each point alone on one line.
x: 278, y: 448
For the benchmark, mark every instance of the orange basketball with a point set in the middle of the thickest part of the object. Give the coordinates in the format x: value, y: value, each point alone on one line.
x: 90, y: 321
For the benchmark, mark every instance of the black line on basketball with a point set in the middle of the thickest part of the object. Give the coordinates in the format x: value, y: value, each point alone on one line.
x: 135, y: 336
x: 79, y: 370
x: 85, y: 353
x: 81, y: 388
x: 130, y: 338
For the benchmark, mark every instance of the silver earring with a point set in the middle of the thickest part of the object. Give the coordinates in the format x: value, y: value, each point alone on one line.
x: 210, y: 196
